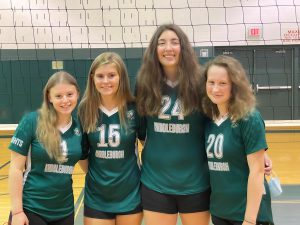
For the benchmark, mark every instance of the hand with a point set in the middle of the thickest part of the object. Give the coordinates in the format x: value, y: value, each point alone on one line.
x: 19, y: 219
x: 268, y: 164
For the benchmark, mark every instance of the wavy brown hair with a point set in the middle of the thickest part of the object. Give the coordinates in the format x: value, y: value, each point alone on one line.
x: 91, y: 100
x: 242, y: 100
x: 47, y: 132
x: 151, y: 76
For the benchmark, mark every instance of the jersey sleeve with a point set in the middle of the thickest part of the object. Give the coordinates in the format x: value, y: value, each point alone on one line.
x: 85, y: 145
x: 253, y: 133
x: 84, y: 140
x: 142, y: 125
x: 24, y: 134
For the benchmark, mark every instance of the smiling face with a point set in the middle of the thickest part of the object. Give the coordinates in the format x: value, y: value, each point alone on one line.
x: 106, y: 80
x: 218, y: 86
x: 168, y: 50
x: 64, y: 98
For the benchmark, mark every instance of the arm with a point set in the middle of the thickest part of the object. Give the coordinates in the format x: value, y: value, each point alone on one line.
x: 268, y: 164
x: 84, y: 165
x: 255, y: 186
x: 17, y: 165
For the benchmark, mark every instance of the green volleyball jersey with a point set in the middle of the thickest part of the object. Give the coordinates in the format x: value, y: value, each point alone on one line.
x: 47, y: 185
x: 227, y: 147
x: 173, y: 158
x: 113, y: 179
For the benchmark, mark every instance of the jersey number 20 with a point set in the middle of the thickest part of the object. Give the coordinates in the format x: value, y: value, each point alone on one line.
x: 215, y: 146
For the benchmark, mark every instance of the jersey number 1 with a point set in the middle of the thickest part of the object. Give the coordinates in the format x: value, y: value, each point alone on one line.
x: 64, y: 148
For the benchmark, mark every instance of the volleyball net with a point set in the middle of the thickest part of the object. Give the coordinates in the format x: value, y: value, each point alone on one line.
x: 39, y: 37
x: 43, y: 24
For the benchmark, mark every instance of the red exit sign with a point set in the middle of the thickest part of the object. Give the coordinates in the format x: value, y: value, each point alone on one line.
x: 254, y: 33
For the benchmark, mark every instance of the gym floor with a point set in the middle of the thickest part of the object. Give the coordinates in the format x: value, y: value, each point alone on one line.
x: 284, y: 149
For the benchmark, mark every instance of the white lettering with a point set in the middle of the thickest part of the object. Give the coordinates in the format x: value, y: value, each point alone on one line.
x: 56, y: 168
x: 171, y: 128
x: 110, y: 154
x: 16, y: 141
x: 218, y: 166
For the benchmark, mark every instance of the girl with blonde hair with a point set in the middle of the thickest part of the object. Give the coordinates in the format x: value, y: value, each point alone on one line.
x: 44, y: 149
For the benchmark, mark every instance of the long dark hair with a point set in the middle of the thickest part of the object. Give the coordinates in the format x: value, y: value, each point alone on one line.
x: 151, y: 76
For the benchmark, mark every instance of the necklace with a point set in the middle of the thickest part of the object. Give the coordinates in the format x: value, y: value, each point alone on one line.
x: 220, y: 117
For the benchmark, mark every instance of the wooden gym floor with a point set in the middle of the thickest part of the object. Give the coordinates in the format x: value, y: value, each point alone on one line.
x: 284, y: 149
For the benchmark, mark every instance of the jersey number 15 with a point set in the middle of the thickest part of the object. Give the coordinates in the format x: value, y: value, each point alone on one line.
x: 113, y: 135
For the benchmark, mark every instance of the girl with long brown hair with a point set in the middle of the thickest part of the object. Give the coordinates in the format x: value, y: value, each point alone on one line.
x: 235, y: 146
x: 174, y: 166
x: 110, y: 122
